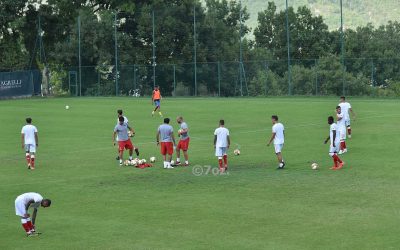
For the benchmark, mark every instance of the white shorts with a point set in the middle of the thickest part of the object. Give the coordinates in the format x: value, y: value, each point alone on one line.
x: 278, y: 148
x: 333, y: 150
x: 347, y: 123
x: 219, y: 152
x: 20, y: 208
x: 31, y: 148
x: 342, y: 134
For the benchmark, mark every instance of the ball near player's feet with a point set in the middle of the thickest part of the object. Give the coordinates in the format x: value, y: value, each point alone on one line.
x: 152, y: 159
x: 314, y: 166
x: 66, y: 107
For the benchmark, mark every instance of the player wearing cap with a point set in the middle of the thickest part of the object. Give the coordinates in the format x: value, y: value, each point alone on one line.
x: 30, y: 142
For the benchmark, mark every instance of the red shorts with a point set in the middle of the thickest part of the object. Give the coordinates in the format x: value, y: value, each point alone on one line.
x: 183, y: 144
x: 125, y: 145
x: 167, y: 148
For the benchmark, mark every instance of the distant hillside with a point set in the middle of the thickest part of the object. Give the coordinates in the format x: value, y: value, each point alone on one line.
x: 356, y: 12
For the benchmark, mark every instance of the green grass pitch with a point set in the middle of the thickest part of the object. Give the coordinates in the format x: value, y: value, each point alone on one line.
x: 99, y: 205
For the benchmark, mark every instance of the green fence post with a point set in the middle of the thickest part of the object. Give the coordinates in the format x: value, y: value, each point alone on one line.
x: 195, y: 51
x: 116, y: 53
x: 154, y: 50
x: 316, y: 76
x: 266, y: 78
x: 288, y: 49
x: 174, y: 79
x: 79, y: 55
x: 219, y: 79
x: 134, y: 76
x: 98, y: 83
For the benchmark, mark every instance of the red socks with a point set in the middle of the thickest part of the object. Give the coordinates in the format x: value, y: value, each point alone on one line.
x: 32, y: 161
x: 26, y: 227
x: 220, y: 163
x: 349, y: 131
x: 336, y: 159
x: 28, y: 158
x: 225, y: 160
x: 30, y: 225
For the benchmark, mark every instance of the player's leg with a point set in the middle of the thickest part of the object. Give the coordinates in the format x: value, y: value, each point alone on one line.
x: 20, y: 210
x: 219, y: 152
x: 170, y: 152
x: 278, y: 152
x: 178, y: 153
x: 121, y: 147
x: 185, y: 151
x: 163, y: 150
x: 32, y: 150
x: 225, y: 158
x: 28, y: 156
x: 348, y: 125
x: 129, y: 146
x: 343, y: 147
x: 339, y: 163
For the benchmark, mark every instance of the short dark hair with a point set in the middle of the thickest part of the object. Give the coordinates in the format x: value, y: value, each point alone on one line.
x: 338, y: 107
x: 28, y: 120
x: 166, y: 120
x: 48, y: 201
x: 330, y: 119
x: 222, y: 122
x: 275, y: 117
x: 343, y: 97
x: 121, y: 119
x: 157, y: 86
x: 119, y: 111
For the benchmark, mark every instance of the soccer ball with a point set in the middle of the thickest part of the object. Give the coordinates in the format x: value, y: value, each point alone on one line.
x: 140, y: 162
x: 179, y: 131
x: 67, y: 107
x: 152, y: 159
x: 144, y: 161
x: 314, y: 166
x: 126, y: 162
x: 172, y: 162
x: 236, y: 152
x: 130, y: 134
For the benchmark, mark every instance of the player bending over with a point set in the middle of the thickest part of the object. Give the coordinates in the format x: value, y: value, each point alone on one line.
x: 124, y: 142
x: 183, y: 141
x: 222, y: 143
x: 334, y: 146
x: 341, y: 128
x: 30, y: 141
x: 165, y: 134
x: 156, y: 98
x: 22, y: 205
x: 278, y: 136
x: 346, y: 107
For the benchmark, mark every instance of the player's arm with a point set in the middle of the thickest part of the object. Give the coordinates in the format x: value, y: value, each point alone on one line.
x: 229, y: 140
x: 353, y: 113
x: 23, y: 140
x: 215, y: 140
x: 334, y: 138
x: 131, y: 129
x: 327, y: 139
x: 173, y: 138
x: 34, y: 215
x: 37, y: 139
x: 158, y: 137
x: 272, y: 138
x: 113, y: 137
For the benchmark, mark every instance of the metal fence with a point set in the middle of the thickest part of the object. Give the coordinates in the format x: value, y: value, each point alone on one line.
x: 132, y: 64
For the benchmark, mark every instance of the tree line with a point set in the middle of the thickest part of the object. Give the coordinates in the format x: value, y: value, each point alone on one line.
x: 370, y: 66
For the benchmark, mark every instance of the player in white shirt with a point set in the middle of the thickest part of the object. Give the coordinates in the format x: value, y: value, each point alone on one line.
x: 30, y: 141
x: 334, y: 146
x: 222, y: 143
x: 346, y: 109
x: 278, y: 136
x: 341, y: 124
x: 22, y: 205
